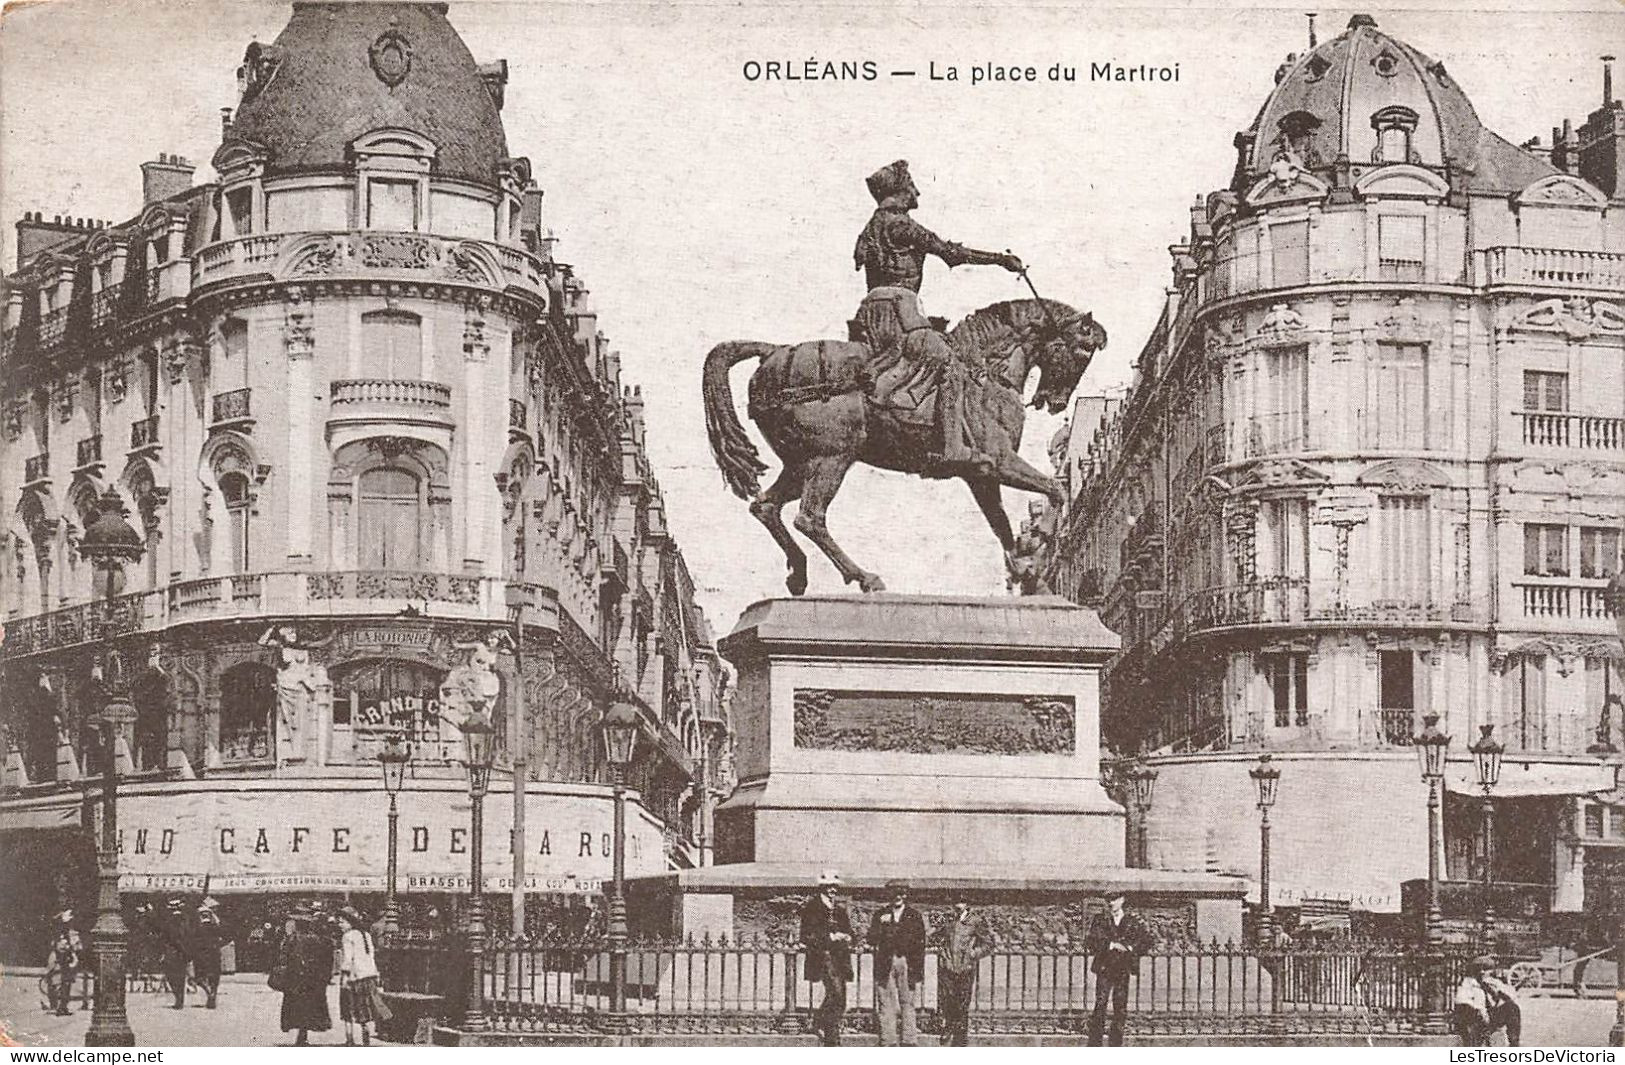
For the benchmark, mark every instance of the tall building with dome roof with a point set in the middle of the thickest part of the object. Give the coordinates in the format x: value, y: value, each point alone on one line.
x: 368, y: 463
x: 1371, y: 466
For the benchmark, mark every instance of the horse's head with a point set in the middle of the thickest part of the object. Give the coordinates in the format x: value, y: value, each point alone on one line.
x: 1060, y: 343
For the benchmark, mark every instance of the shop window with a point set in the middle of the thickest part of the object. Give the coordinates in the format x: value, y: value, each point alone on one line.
x: 1289, y: 688
x: 1289, y: 253
x: 1401, y: 246
x: 1544, y: 390
x: 375, y: 699
x: 247, y: 707
x: 1545, y: 550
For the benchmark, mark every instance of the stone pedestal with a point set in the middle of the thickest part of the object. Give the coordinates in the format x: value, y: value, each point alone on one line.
x: 920, y: 731
x: 950, y: 742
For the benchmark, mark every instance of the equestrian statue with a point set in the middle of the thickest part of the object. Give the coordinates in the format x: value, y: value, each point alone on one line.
x: 900, y: 393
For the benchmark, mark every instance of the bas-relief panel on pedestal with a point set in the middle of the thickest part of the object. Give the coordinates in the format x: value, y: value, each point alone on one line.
x: 933, y: 722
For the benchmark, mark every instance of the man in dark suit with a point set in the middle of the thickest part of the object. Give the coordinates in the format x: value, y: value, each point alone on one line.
x: 1117, y: 938
x: 826, y: 933
x: 897, y: 935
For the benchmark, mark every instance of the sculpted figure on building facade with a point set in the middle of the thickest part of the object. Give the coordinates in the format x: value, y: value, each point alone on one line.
x: 899, y: 394
x: 473, y: 687
x: 303, y: 691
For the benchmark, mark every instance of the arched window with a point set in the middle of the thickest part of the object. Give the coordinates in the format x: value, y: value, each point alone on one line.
x: 247, y: 703
x: 391, y: 345
x: 234, y: 487
x: 390, y: 533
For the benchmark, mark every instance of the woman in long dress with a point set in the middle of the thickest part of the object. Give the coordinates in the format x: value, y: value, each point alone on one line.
x: 305, y: 968
x: 361, y: 1004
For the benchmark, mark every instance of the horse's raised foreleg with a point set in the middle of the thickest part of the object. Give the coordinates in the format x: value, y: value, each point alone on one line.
x: 767, y: 509
x: 824, y: 474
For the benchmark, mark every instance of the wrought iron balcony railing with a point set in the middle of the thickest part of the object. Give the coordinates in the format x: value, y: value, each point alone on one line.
x: 144, y: 433
x: 89, y: 451
x: 37, y: 468
x: 233, y: 406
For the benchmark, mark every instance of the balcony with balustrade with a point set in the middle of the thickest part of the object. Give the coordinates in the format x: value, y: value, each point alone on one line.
x: 364, y: 253
x: 1551, y: 267
x: 372, y: 399
x: 232, y: 409
x: 144, y: 434
x: 1562, y: 604
x: 252, y: 596
x: 1571, y: 430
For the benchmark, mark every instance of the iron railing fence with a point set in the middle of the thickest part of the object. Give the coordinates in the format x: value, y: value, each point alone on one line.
x: 751, y: 985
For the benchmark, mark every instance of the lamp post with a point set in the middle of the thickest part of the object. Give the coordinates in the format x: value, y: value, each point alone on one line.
x: 393, y: 758
x: 1143, y: 782
x: 621, y: 726
x: 1487, y: 753
x: 1431, y: 747
x: 108, y: 543
x: 1267, y: 778
x: 478, y: 737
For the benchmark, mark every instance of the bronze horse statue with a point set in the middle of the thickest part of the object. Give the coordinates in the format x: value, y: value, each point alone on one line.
x: 815, y: 403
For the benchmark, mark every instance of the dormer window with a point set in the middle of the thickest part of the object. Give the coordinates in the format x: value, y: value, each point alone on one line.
x: 1394, y: 126
x: 1316, y: 68
x: 392, y: 172
x: 392, y: 205
x: 1386, y: 63
x: 1298, y: 137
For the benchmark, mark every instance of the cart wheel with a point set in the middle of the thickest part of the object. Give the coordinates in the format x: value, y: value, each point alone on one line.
x: 1526, y: 975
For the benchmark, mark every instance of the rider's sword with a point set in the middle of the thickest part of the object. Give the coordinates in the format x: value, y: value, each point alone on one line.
x: 1053, y: 324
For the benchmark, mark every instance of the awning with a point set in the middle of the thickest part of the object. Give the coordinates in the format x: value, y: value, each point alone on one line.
x: 1529, y: 780
x: 39, y: 818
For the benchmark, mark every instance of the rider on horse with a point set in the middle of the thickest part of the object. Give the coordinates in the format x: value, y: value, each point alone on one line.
x: 910, y: 356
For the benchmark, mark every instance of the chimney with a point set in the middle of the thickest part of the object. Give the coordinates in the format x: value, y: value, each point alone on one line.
x: 1312, y: 41
x: 225, y: 121
x: 165, y: 178
x: 1607, y: 80
x: 35, y: 234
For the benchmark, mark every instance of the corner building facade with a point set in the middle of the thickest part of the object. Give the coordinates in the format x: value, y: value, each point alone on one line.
x: 1372, y: 465
x: 381, y: 467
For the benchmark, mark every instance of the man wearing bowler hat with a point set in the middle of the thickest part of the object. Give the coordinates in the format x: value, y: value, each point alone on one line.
x: 1116, y: 940
x: 963, y: 943
x: 897, y: 935
x: 826, y: 933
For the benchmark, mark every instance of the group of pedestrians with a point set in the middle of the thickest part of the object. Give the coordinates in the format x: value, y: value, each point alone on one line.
x: 898, y: 935
x: 314, y: 949
x: 176, y: 942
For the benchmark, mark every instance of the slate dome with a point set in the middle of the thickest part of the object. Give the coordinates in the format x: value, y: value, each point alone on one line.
x: 1333, y: 100
x: 339, y: 70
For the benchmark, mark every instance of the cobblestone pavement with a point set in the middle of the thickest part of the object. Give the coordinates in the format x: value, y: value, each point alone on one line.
x: 248, y: 1015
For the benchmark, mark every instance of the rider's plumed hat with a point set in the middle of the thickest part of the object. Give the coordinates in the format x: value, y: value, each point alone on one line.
x: 888, y: 180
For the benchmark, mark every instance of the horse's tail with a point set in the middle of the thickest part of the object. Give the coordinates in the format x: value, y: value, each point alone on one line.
x: 736, y: 456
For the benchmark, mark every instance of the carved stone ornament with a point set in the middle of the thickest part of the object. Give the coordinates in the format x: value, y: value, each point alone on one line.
x: 397, y: 251
x: 933, y: 723
x: 476, y: 341
x: 177, y: 353
x: 391, y: 57
x: 13, y: 419
x: 66, y: 392
x: 1402, y: 320
x: 1575, y: 317
x: 324, y: 258
x: 298, y: 332
x: 1281, y: 322
x: 391, y: 448
x: 118, y: 381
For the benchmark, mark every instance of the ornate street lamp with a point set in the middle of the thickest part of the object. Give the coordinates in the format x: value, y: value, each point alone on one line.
x: 394, y: 759
x: 621, y: 724
x: 1142, y: 782
x: 1431, y: 747
x: 479, y: 737
x: 1267, y: 778
x: 1487, y: 751
x: 108, y: 543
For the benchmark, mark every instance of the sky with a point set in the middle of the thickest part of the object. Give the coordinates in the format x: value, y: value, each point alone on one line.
x: 701, y: 206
